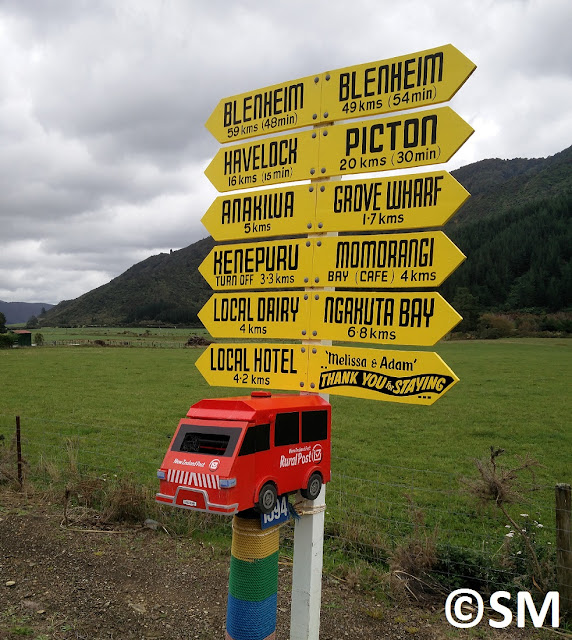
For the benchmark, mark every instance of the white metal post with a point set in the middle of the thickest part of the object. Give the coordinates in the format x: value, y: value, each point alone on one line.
x: 309, y: 529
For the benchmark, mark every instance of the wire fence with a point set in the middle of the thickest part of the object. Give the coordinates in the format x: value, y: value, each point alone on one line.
x: 393, y: 519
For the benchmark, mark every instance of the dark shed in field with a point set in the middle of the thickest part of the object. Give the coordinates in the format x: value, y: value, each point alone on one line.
x: 24, y: 337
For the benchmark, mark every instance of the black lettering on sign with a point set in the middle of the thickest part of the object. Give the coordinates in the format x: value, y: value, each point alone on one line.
x: 263, y: 155
x: 266, y: 206
x: 388, y: 78
x: 386, y: 385
x: 411, y: 193
x: 274, y: 360
x: 255, y: 259
x: 390, y: 254
x: 350, y: 198
x: 264, y: 104
x: 360, y: 310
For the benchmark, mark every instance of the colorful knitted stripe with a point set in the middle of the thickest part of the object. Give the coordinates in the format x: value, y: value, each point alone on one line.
x: 253, y: 581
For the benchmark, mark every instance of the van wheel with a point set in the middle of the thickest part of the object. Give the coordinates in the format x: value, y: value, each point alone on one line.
x: 314, y: 487
x: 267, y: 498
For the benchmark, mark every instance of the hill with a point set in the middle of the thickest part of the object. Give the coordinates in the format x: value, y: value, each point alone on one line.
x: 18, y: 312
x: 515, y: 229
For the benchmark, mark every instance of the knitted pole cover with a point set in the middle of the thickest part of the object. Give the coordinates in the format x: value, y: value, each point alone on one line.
x: 253, y: 580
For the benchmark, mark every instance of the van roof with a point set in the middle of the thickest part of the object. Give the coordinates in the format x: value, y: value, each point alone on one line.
x: 246, y: 408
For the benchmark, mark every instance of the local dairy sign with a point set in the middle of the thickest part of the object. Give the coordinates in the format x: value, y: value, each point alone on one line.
x: 379, y: 318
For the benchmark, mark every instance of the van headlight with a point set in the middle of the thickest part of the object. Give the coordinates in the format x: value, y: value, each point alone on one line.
x: 161, y: 474
x: 227, y: 483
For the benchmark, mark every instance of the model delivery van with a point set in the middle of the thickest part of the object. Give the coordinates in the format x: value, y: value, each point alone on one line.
x: 233, y: 454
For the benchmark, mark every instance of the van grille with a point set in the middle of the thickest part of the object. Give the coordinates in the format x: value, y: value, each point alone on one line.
x: 193, y: 479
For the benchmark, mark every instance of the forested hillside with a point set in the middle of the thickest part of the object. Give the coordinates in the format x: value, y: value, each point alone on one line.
x: 515, y: 230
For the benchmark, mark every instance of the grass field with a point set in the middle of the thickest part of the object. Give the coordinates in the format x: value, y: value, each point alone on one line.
x: 120, y: 406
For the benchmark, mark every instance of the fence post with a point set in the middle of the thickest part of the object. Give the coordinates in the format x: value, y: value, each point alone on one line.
x: 564, y: 549
x: 19, y: 452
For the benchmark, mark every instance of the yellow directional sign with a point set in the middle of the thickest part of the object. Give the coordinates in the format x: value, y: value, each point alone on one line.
x: 276, y: 315
x: 409, y: 377
x: 381, y: 318
x: 413, y: 201
x: 271, y: 110
x: 280, y: 264
x: 396, y: 261
x: 267, y: 366
x: 398, y: 142
x: 262, y: 214
x: 406, y: 82
x: 269, y: 161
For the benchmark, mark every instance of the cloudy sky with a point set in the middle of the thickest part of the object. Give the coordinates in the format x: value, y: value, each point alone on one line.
x: 103, y: 105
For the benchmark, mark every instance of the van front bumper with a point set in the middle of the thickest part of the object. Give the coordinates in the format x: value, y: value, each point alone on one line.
x: 195, y: 499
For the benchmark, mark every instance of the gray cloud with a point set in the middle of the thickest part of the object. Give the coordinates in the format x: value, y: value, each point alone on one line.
x: 103, y: 104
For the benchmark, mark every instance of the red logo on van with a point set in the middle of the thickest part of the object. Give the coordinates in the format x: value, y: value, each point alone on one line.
x: 213, y: 464
x: 317, y: 453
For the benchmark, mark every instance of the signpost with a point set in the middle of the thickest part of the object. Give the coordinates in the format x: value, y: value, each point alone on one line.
x: 272, y: 366
x: 265, y: 162
x: 262, y: 214
x: 276, y: 315
x: 381, y: 317
x: 281, y: 107
x: 399, y: 142
x: 394, y: 261
x: 404, y: 82
x: 282, y: 264
x: 408, y: 377
x: 413, y: 201
x: 376, y: 261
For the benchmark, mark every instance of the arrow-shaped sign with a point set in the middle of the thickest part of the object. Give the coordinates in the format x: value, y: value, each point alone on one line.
x: 408, y: 377
x: 395, y: 261
x: 279, y: 264
x: 262, y: 214
x: 276, y: 315
x: 399, y: 142
x: 404, y: 82
x: 271, y: 366
x: 381, y: 317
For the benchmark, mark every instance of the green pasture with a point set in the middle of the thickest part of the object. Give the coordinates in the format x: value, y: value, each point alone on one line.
x: 119, y: 407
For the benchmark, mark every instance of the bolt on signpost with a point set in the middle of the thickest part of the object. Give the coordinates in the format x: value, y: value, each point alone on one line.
x: 295, y: 294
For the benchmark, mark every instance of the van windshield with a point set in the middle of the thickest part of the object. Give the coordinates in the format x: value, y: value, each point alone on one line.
x: 210, y: 441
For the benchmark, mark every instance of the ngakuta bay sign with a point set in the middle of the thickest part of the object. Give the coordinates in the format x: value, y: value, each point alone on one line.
x: 408, y: 377
x: 380, y: 204
x: 378, y: 318
x: 398, y: 142
x: 404, y: 82
x: 396, y: 261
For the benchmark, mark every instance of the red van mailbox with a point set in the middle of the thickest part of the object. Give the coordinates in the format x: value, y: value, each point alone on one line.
x: 232, y: 454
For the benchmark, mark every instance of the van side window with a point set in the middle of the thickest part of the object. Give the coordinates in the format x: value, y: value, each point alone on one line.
x: 287, y: 429
x: 314, y: 425
x: 257, y: 438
